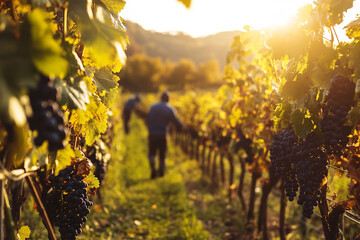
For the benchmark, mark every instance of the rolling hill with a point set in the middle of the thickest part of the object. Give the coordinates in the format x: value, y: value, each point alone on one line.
x: 177, y: 46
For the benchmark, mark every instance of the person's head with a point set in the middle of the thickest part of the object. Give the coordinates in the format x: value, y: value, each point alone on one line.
x: 165, y: 96
x: 138, y: 97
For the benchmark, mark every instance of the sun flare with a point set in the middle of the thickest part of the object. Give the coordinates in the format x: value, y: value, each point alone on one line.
x: 209, y: 16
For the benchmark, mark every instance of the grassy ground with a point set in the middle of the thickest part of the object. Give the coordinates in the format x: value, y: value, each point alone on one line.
x: 180, y: 205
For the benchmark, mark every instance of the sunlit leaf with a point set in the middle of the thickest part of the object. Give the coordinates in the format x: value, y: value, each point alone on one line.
x: 74, y: 96
x: 18, y: 147
x: 92, y: 181
x: 288, y: 41
x: 100, y: 37
x: 353, y: 29
x: 105, y: 80
x: 354, y: 59
x: 63, y: 157
x: 296, y: 89
x: 337, y: 8
x: 45, y: 52
x: 302, y: 125
x: 23, y: 233
x: 93, y: 121
x: 114, y: 6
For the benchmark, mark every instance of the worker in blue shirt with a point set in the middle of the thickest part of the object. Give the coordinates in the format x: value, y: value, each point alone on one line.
x: 159, y: 117
x: 128, y: 108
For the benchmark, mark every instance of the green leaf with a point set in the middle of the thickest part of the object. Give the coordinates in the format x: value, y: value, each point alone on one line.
x: 289, y: 41
x: 63, y: 157
x: 110, y: 97
x: 24, y: 233
x: 74, y: 96
x: 297, y: 88
x: 337, y: 8
x: 79, y: 154
x: 92, y: 181
x: 105, y: 42
x: 301, y: 124
x: 353, y: 29
x: 282, y: 115
x: 45, y: 52
x: 354, y: 59
x: 353, y: 116
x: 114, y: 6
x: 105, y: 80
x: 93, y: 121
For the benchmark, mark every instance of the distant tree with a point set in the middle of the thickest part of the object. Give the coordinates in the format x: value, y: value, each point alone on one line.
x: 207, y: 74
x: 181, y: 75
x: 141, y: 73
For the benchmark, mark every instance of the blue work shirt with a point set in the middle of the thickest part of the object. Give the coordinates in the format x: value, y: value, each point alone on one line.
x: 159, y: 116
x: 130, y: 104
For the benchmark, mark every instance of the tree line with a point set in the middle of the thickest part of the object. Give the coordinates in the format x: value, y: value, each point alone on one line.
x: 147, y: 74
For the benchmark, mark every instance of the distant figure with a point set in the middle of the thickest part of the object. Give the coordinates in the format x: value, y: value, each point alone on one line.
x: 128, y: 108
x: 159, y: 116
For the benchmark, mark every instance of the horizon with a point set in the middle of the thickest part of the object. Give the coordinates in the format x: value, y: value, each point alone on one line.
x: 180, y: 20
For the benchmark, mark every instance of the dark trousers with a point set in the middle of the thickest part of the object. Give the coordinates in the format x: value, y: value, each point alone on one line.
x: 126, y: 119
x: 157, y: 143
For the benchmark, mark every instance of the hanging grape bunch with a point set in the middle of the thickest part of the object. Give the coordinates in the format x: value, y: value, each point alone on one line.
x: 283, y: 150
x: 67, y: 203
x: 47, y: 119
x: 311, y: 168
x: 337, y: 105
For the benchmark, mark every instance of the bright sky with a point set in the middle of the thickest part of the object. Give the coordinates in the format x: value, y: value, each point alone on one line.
x: 211, y: 16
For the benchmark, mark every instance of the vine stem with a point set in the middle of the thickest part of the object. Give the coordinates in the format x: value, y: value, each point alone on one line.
x: 335, y: 34
x: 13, y: 12
x: 324, y: 210
x: 9, y: 223
x: 65, y: 22
x: 41, y: 208
x: 2, y: 186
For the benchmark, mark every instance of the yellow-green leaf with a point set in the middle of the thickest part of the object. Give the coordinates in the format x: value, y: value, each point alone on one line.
x: 45, y: 52
x: 92, y: 181
x: 63, y: 157
x: 24, y: 233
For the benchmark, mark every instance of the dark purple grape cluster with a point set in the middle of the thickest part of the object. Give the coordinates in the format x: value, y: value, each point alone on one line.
x: 67, y: 203
x: 283, y: 151
x: 47, y: 120
x: 244, y: 143
x: 337, y: 105
x: 311, y: 168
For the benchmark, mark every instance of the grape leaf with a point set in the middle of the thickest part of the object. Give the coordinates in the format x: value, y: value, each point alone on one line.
x: 110, y: 97
x: 46, y: 53
x: 296, y: 89
x: 353, y: 29
x: 93, y: 120
x: 353, y: 117
x: 74, y: 96
x: 354, y: 59
x: 288, y: 41
x: 92, y: 181
x: 114, y: 6
x: 23, y: 233
x: 337, y: 8
x: 63, y: 158
x: 105, y: 80
x: 18, y: 147
x: 105, y: 43
x: 301, y: 124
